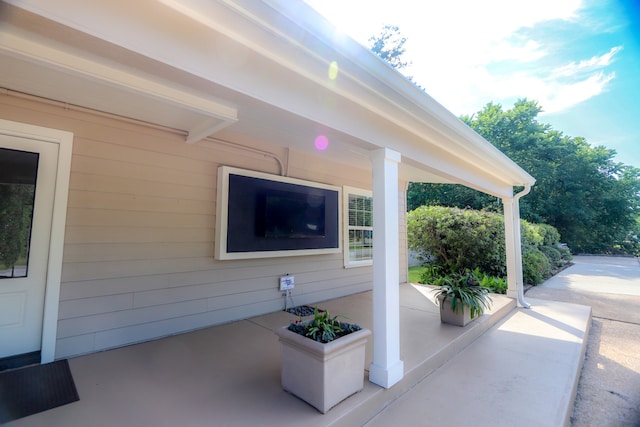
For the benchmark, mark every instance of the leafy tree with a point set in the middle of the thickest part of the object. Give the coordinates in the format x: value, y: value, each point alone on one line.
x: 450, y: 195
x: 389, y: 45
x: 593, y: 201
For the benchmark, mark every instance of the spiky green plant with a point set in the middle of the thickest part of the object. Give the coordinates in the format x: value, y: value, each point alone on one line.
x: 463, y: 290
x: 323, y: 328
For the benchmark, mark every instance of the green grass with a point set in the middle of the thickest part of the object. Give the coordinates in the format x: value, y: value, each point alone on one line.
x: 415, y: 273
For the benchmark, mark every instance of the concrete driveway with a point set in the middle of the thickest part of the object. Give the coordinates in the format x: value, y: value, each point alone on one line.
x: 609, y: 387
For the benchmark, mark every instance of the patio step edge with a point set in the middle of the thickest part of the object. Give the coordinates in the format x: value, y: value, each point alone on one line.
x: 382, y: 398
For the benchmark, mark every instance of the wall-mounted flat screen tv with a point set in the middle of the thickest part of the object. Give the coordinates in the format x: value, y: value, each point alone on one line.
x: 292, y: 214
x: 261, y: 215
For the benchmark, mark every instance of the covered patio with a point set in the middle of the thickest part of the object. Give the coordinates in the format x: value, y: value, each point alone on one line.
x: 135, y: 110
x: 514, y: 363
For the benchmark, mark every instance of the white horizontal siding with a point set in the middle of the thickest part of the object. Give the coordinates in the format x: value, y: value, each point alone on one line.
x: 138, y: 261
x: 92, y: 252
x: 93, y: 183
x: 119, y: 319
x: 122, y: 234
x: 139, y: 203
x: 112, y: 286
x: 89, y: 306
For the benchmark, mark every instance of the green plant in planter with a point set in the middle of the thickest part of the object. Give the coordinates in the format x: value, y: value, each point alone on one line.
x: 464, y: 290
x: 322, y: 359
x: 323, y: 328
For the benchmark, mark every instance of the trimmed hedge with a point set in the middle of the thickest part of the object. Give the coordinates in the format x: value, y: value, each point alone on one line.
x: 457, y: 239
x: 535, y: 265
x: 452, y: 240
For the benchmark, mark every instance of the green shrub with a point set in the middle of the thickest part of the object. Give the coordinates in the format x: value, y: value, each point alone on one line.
x: 497, y: 285
x: 553, y: 255
x: 550, y: 235
x: 531, y: 234
x: 565, y: 253
x: 458, y: 239
x: 432, y: 275
x: 451, y: 240
x: 535, y: 265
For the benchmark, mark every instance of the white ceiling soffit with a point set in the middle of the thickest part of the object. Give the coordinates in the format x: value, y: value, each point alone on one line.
x: 397, y: 100
x: 69, y: 77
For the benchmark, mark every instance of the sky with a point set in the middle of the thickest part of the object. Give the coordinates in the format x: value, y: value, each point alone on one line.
x: 579, y: 59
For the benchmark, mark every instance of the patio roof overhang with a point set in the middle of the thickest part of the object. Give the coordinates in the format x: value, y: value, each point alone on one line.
x: 242, y: 70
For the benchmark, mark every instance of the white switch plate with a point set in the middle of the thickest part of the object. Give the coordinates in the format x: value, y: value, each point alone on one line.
x: 286, y: 283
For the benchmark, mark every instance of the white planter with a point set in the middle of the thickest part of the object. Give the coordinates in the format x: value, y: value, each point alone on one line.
x: 322, y: 375
x: 447, y: 315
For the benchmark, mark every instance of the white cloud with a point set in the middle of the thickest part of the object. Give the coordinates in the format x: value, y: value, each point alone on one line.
x: 470, y: 90
x: 527, y: 52
x: 587, y: 65
x: 467, y: 53
x: 563, y: 96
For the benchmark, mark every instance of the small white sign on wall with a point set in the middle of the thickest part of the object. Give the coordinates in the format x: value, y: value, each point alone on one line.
x: 286, y: 283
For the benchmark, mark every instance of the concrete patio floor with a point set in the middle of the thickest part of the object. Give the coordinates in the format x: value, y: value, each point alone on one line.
x: 511, y: 367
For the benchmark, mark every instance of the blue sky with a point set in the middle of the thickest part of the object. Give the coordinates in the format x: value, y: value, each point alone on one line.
x: 580, y: 59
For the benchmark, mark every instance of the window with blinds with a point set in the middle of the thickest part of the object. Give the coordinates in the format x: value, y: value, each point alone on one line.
x: 358, y: 227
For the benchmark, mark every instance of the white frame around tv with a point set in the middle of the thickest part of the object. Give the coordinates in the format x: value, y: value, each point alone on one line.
x: 222, y: 212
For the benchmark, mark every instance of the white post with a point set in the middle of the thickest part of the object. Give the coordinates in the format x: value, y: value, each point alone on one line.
x: 386, y: 367
x: 513, y: 247
x: 510, y: 248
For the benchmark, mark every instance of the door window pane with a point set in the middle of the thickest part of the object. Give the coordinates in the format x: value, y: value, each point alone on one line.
x: 18, y: 173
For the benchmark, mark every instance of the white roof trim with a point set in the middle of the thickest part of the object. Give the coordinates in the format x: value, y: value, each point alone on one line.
x: 208, y: 115
x: 291, y: 46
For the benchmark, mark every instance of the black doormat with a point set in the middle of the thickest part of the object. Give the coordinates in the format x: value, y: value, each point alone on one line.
x: 27, y: 391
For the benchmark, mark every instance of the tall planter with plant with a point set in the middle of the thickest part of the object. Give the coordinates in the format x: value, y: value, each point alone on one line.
x: 461, y: 299
x: 322, y: 360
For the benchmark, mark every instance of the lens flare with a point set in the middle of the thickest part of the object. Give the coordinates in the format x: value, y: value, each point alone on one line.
x: 321, y: 143
x: 333, y: 70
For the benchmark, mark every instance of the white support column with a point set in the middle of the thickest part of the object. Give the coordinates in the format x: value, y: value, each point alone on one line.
x: 386, y: 367
x: 513, y: 247
x: 510, y: 248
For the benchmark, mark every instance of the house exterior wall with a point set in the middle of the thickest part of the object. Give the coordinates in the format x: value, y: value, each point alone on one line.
x: 138, y: 258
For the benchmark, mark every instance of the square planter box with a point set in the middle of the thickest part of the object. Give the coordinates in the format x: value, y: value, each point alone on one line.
x: 322, y: 375
x: 447, y: 315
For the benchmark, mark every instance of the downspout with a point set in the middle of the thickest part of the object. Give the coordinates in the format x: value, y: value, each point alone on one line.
x: 518, y: 238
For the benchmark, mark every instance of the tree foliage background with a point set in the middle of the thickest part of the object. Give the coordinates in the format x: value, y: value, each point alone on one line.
x: 389, y: 45
x: 593, y: 201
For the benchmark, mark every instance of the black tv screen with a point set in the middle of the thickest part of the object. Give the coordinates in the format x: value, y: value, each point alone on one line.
x: 294, y: 215
x: 280, y: 214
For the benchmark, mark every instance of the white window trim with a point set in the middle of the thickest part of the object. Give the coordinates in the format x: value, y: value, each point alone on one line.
x: 346, y: 191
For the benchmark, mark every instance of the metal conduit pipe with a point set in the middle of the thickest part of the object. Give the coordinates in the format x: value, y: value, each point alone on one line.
x: 73, y: 107
x: 520, y: 281
x: 249, y: 149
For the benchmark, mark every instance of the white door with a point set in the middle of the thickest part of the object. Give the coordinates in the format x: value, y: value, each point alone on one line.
x: 28, y: 170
